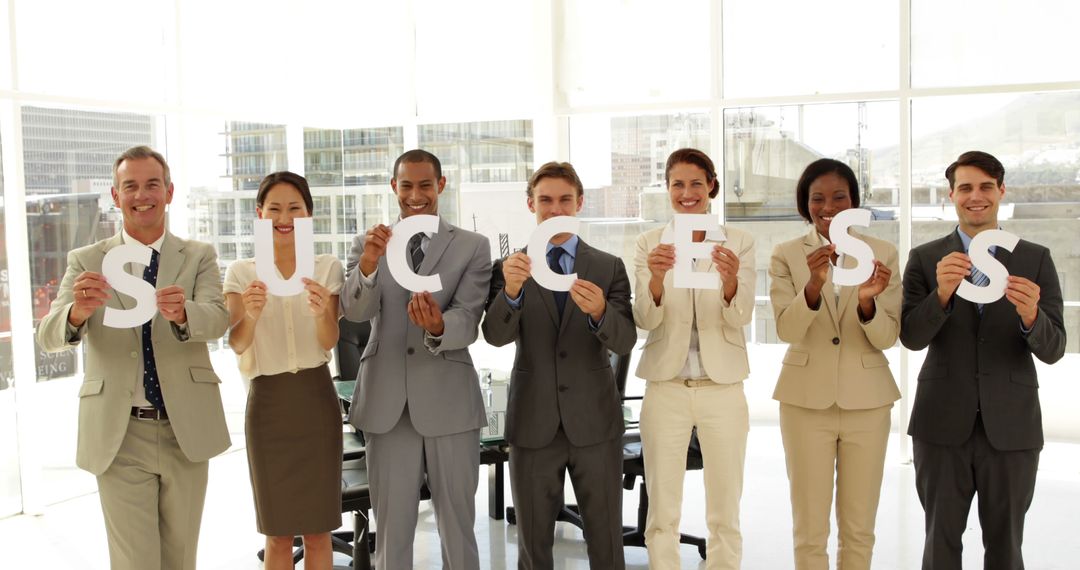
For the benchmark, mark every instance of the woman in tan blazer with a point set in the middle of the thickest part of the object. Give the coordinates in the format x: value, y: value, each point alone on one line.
x: 835, y: 387
x: 695, y: 362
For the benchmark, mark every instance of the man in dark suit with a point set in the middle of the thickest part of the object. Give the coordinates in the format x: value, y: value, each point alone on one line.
x: 976, y: 421
x: 565, y: 411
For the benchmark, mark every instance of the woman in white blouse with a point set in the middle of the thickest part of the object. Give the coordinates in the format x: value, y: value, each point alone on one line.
x: 293, y: 422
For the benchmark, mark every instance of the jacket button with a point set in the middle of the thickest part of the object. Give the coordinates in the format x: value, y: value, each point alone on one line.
x: 562, y: 354
x: 134, y: 354
x: 836, y: 340
x: 563, y: 387
x: 410, y: 350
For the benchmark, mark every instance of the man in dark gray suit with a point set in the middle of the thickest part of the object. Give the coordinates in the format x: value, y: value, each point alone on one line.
x: 418, y: 398
x: 565, y: 411
x: 976, y: 421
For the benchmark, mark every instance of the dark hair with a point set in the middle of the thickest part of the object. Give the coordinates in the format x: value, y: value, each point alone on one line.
x: 285, y: 177
x: 137, y: 153
x: 561, y: 170
x: 979, y: 159
x: 817, y: 169
x: 418, y: 155
x: 697, y: 158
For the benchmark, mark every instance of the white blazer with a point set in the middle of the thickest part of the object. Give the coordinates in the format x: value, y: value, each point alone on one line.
x: 719, y: 324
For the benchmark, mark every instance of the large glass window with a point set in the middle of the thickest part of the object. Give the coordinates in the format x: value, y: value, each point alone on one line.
x: 766, y: 150
x: 621, y: 162
x: 478, y: 153
x: 617, y: 51
x: 500, y: 42
x: 788, y: 47
x: 68, y: 156
x: 991, y: 42
x: 1037, y: 138
x: 340, y: 61
x: 73, y: 48
x: 342, y: 164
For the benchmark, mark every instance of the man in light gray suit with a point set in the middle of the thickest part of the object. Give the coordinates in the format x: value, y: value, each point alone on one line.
x: 565, y: 411
x: 418, y: 397
x: 150, y: 414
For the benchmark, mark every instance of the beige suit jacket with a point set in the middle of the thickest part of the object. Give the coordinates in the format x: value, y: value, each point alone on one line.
x: 720, y: 324
x: 188, y: 382
x: 834, y: 357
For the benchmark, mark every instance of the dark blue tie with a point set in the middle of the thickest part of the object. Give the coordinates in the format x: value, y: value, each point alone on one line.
x: 150, y: 376
x: 553, y: 257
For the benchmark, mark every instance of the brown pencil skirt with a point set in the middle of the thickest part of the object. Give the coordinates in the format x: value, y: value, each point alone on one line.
x: 293, y: 426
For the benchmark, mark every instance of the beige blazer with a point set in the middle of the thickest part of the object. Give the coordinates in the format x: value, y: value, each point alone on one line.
x: 834, y: 357
x: 188, y: 382
x: 720, y: 325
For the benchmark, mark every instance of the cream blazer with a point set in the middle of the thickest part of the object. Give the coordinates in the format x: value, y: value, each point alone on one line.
x: 188, y: 381
x: 834, y: 357
x: 720, y: 325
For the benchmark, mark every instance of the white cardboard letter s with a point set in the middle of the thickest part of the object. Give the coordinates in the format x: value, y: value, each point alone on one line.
x: 265, y: 269
x: 850, y: 245
x: 143, y: 293
x: 541, y: 273
x: 397, y: 255
x: 686, y: 250
x: 992, y: 268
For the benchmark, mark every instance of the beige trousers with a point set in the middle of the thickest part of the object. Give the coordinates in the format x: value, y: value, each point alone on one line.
x: 152, y: 497
x: 848, y: 445
x: 669, y: 412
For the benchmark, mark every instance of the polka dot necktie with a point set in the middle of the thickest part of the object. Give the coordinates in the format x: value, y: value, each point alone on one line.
x: 150, y: 376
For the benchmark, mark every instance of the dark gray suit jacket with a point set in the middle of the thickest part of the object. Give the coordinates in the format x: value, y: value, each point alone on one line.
x: 980, y: 361
x: 398, y: 365
x: 562, y: 373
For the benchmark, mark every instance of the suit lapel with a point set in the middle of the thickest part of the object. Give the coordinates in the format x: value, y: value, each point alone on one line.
x: 581, y: 268
x: 812, y: 242
x: 170, y: 261
x: 847, y: 293
x: 439, y: 242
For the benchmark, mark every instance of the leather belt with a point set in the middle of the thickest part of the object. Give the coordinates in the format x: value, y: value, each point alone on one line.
x: 149, y: 413
x: 694, y: 383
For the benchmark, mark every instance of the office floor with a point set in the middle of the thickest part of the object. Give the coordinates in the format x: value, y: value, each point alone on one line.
x: 71, y: 534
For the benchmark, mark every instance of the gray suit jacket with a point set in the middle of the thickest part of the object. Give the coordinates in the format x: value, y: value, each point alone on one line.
x: 397, y: 367
x: 562, y: 374
x: 188, y: 382
x: 980, y: 361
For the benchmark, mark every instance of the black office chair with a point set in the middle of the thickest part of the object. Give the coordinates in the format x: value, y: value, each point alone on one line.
x: 634, y: 467
x: 352, y: 338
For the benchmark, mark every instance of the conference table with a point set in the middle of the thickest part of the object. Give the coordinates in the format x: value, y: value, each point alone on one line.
x: 494, y: 452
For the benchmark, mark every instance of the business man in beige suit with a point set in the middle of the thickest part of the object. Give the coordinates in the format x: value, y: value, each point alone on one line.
x: 695, y: 362
x: 150, y: 414
x: 835, y: 387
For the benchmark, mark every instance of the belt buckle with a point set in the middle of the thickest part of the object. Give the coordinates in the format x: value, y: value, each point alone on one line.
x: 147, y: 413
x: 687, y: 382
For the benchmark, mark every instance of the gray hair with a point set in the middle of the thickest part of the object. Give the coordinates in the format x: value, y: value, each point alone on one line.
x: 137, y: 153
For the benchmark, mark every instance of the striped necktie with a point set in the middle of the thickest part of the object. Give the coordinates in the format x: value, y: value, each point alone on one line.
x: 979, y: 279
x: 416, y: 251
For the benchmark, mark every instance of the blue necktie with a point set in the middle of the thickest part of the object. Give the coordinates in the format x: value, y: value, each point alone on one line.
x: 979, y: 279
x: 553, y: 257
x: 150, y: 377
